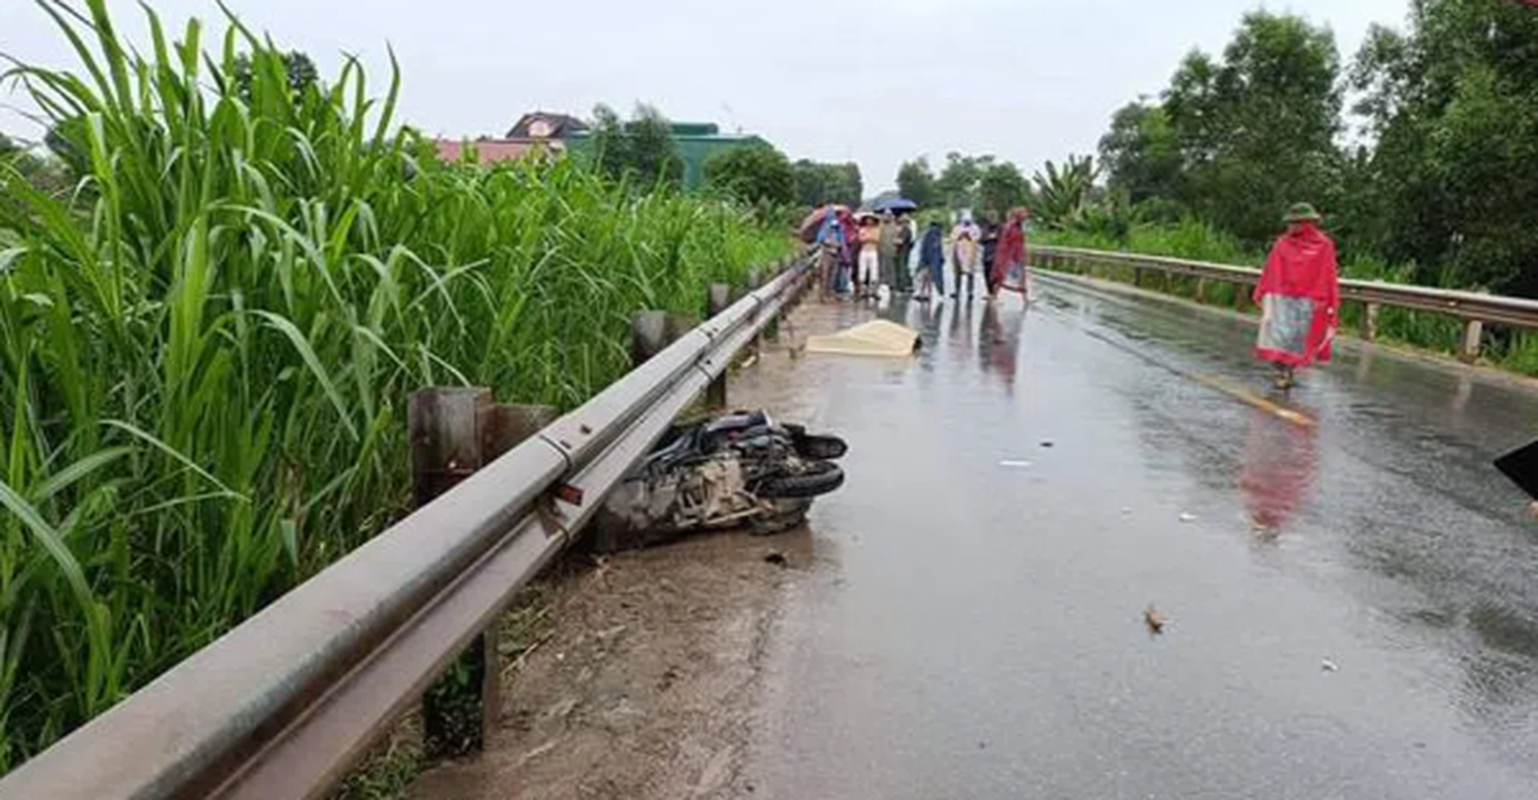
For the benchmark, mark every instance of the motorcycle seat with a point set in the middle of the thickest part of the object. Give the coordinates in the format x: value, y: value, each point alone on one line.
x: 735, y: 422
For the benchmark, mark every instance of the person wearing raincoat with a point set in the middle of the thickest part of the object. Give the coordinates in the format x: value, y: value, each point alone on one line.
x: 832, y: 254
x: 888, y: 270
x: 907, y: 237
x: 990, y: 242
x: 966, y: 254
x: 931, y: 271
x: 1009, y: 260
x: 1299, y: 297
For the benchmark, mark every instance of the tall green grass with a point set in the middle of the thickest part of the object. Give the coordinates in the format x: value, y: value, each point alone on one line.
x: 1194, y: 239
x: 207, y: 345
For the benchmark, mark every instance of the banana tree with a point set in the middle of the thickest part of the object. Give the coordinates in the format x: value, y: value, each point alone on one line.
x: 1062, y: 194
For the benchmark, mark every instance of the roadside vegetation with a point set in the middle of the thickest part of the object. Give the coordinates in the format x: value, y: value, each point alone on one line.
x: 1193, y: 239
x: 208, y: 334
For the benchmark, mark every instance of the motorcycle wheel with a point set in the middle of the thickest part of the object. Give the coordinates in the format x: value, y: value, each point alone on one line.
x: 779, y: 523
x: 819, y: 478
x: 781, y: 516
x: 821, y: 448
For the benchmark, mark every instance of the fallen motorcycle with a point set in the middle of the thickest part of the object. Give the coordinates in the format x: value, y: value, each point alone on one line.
x: 739, y: 470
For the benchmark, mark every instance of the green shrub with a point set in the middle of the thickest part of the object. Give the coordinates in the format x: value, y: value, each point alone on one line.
x: 206, y: 357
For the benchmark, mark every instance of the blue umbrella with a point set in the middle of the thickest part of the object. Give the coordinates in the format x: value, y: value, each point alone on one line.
x: 897, y: 205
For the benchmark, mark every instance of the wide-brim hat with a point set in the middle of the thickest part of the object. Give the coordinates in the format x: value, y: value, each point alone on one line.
x: 1302, y: 212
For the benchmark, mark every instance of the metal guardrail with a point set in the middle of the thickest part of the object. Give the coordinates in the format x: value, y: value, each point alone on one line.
x: 283, y: 705
x: 1473, y: 308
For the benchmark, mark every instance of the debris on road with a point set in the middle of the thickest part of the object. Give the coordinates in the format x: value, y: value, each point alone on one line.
x: 776, y: 559
x: 1153, y: 619
x: 1047, y: 443
x: 1007, y: 464
x: 879, y: 338
x: 1188, y: 517
x: 1329, y: 666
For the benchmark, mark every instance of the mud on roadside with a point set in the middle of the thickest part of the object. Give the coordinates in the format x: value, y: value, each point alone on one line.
x: 644, y: 677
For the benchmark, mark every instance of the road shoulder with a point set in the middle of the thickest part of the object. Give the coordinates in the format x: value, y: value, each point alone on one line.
x: 645, y: 679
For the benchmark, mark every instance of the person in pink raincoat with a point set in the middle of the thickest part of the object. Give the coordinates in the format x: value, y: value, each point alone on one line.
x: 1299, y: 297
x: 1009, y: 261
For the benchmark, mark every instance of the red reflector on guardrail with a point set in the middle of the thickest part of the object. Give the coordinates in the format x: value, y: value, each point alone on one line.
x: 571, y: 495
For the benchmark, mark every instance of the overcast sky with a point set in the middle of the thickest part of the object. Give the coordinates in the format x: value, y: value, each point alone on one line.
x: 874, y: 81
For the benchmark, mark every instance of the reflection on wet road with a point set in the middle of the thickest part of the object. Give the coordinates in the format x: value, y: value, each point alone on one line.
x: 1025, y: 488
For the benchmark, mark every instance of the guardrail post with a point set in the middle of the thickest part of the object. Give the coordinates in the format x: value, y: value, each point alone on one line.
x: 1370, y: 322
x: 446, y: 449
x: 772, y: 330
x: 445, y: 445
x: 755, y: 281
x: 652, y: 331
x: 454, y: 432
x: 1473, y: 336
x: 719, y: 300
x: 648, y: 336
x: 501, y: 428
x: 1201, y: 290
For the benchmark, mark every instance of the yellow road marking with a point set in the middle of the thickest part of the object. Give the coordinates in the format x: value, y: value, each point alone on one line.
x: 1239, y: 393
x: 1246, y: 396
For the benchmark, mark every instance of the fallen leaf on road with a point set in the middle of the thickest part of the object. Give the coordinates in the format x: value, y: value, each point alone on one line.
x: 1153, y: 619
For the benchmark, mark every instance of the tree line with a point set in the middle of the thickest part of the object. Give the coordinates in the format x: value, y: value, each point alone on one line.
x: 1422, y: 149
x: 1059, y: 195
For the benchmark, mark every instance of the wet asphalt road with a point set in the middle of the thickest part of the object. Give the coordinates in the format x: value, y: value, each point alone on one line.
x: 976, y: 627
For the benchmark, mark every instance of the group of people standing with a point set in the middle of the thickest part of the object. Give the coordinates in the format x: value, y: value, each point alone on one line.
x: 995, y: 251
x: 863, y: 254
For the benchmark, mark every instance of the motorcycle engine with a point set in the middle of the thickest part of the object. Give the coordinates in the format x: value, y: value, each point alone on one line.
x: 709, y: 494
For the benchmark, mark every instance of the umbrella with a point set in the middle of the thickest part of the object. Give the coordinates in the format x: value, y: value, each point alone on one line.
x: 897, y: 205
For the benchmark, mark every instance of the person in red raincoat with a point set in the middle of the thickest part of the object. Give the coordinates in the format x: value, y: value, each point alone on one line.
x: 1299, y: 297
x: 1009, y: 260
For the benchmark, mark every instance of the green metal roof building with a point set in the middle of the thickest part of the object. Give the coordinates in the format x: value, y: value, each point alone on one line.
x: 695, y: 143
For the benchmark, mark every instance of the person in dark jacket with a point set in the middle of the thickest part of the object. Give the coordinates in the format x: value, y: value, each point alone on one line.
x: 907, y: 233
x: 932, y: 261
x: 990, y: 252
